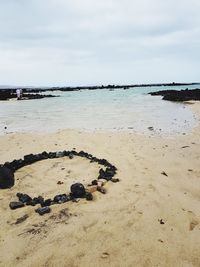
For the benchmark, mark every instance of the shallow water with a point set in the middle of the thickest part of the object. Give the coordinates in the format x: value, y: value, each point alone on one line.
x: 130, y: 110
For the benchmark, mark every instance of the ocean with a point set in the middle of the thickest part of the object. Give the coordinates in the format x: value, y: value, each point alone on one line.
x: 131, y: 110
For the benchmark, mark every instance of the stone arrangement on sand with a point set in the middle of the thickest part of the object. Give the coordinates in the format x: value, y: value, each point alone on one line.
x: 77, y: 190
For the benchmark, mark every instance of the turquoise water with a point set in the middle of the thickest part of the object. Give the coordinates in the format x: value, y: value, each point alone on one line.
x: 103, y: 109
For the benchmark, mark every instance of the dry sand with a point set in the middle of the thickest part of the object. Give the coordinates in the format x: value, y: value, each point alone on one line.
x: 121, y: 228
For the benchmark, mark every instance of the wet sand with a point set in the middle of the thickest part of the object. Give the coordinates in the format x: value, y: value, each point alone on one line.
x: 147, y: 219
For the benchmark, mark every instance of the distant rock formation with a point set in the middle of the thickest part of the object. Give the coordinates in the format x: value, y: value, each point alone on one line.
x: 8, y: 94
x: 179, y: 96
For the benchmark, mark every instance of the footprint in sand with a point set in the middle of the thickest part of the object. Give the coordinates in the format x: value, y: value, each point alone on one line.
x: 193, y: 220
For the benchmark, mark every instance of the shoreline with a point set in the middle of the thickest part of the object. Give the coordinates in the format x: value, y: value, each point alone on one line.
x: 192, y: 105
x: 155, y: 215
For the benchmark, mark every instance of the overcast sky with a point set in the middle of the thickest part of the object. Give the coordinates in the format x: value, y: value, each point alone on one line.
x: 83, y: 42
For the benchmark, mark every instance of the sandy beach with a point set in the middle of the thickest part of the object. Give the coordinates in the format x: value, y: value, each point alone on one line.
x: 150, y: 218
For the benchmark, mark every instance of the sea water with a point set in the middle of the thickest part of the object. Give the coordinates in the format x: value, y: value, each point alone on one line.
x: 131, y: 110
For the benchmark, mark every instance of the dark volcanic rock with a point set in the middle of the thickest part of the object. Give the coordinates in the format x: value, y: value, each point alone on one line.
x: 24, y: 198
x: 6, y: 178
x: 60, y: 154
x: 62, y: 198
x: 5, y: 95
x: 94, y: 182
x: 107, y: 174
x: 89, y: 196
x: 183, y: 95
x: 16, y: 204
x: 43, y: 210
x: 52, y: 155
x: 77, y: 190
x: 46, y: 203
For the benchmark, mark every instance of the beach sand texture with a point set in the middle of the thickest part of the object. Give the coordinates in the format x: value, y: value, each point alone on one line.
x: 147, y: 219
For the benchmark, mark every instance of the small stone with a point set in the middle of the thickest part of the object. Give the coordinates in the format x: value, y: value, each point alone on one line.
x: 94, y: 182
x: 161, y: 221
x: 16, y: 205
x: 71, y: 156
x: 150, y: 128
x: 46, y: 203
x: 164, y: 173
x: 115, y: 180
x: 89, y: 196
x: 24, y: 198
x: 76, y: 200
x: 59, y: 154
x: 43, y: 210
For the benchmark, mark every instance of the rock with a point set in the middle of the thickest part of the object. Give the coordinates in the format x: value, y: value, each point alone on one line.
x: 16, y: 205
x: 150, y: 128
x: 43, y: 210
x: 44, y: 155
x: 71, y: 156
x: 31, y: 203
x: 101, y: 189
x: 82, y: 154
x: 60, y: 154
x: 62, y: 198
x: 46, y: 203
x: 164, y: 173
x: 28, y: 159
x: 59, y: 182
x: 52, y: 155
x: 78, y: 190
x: 88, y: 196
x: 161, y: 221
x: 76, y: 200
x: 6, y: 178
x: 16, y: 164
x: 115, y: 180
x: 103, y: 162
x: 74, y: 152
x: 39, y: 199
x: 24, y: 198
x: 66, y: 153
x: 182, y: 95
x: 107, y: 174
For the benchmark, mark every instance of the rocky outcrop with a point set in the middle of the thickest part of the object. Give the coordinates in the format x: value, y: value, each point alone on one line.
x: 178, y: 96
x: 7, y: 95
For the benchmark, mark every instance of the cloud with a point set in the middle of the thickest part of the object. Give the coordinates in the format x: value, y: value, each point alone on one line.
x: 54, y: 42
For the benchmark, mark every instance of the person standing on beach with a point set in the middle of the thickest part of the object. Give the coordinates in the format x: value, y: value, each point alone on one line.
x: 19, y: 94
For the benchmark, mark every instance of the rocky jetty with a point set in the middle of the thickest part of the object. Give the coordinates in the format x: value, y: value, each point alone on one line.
x: 9, y: 94
x: 178, y: 96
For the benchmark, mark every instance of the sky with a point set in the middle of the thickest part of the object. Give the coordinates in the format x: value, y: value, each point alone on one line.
x: 95, y: 42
